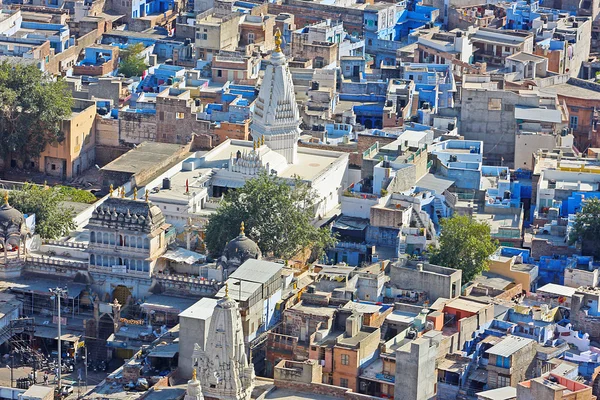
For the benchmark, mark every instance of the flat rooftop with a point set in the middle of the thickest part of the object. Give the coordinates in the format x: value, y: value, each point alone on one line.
x: 466, y: 305
x: 497, y: 221
x: 569, y: 90
x: 311, y: 162
x: 287, y: 394
x: 146, y: 155
x: 314, y: 310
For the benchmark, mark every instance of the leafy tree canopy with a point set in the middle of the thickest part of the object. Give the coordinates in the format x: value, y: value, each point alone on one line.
x: 277, y: 217
x: 465, y: 244
x: 32, y: 106
x: 76, y: 195
x: 132, y: 61
x: 53, y: 220
x: 586, y: 228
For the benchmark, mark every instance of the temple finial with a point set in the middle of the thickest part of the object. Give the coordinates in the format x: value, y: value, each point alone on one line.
x: 226, y: 290
x: 278, y: 41
x: 135, y: 193
x: 122, y: 192
x: 147, y: 195
x: 262, y: 140
x: 242, y: 229
x: 111, y: 190
x: 194, y: 374
x: 6, y: 198
x: 254, y: 145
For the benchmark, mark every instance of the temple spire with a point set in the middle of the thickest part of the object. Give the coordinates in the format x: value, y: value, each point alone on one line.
x: 278, y: 41
x: 276, y: 114
x: 242, y: 229
x: 194, y: 389
x: 6, y: 198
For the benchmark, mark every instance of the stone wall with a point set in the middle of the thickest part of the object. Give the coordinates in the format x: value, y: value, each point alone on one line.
x: 544, y: 247
x: 135, y: 128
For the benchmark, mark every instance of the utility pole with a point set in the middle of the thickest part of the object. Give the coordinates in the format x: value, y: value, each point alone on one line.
x: 58, y: 293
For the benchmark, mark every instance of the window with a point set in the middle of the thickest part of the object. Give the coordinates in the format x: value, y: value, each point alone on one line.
x: 219, y: 73
x: 507, y: 49
x: 495, y: 104
x: 53, y: 167
x: 503, y: 381
x: 345, y: 360
x: 344, y: 382
x: 573, y: 121
x: 179, y: 115
x: 503, y: 362
x: 251, y: 38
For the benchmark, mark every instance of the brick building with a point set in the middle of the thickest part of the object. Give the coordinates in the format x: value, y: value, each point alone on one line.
x: 510, y: 361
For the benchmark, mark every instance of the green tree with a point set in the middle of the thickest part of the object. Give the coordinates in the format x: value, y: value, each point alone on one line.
x: 52, y: 219
x: 464, y: 244
x: 586, y: 228
x: 277, y: 217
x: 32, y: 106
x: 132, y: 61
x: 76, y: 195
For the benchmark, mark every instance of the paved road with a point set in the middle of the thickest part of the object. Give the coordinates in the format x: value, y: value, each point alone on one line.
x: 93, y: 378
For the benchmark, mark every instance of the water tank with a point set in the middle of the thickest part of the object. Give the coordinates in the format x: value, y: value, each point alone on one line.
x: 102, y: 111
x: 169, y: 81
x: 166, y: 183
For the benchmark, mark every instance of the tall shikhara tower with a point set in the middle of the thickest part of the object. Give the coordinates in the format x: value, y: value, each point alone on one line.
x: 223, y: 369
x: 276, y: 115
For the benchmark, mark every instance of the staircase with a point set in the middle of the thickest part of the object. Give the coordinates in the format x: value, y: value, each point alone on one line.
x: 401, y: 244
x: 417, y: 218
x: 438, y: 208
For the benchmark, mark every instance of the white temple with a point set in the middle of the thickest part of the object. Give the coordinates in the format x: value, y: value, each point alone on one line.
x: 276, y: 115
x: 274, y: 149
x: 222, y: 367
x: 194, y: 390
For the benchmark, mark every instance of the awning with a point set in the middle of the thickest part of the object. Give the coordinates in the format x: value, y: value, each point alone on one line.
x: 185, y: 256
x: 350, y: 223
x: 479, y: 375
x: 164, y: 351
x: 51, y: 332
x: 170, y: 304
x: 41, y: 286
x: 228, y: 183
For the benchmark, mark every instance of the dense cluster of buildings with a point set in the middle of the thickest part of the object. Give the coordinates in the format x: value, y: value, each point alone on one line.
x: 397, y: 114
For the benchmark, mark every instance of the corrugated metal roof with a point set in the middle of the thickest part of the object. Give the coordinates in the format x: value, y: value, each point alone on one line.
x: 503, y: 393
x: 435, y: 182
x: 558, y: 290
x: 259, y: 271
x: 350, y: 223
x: 182, y: 255
x: 509, y: 345
x: 538, y: 114
x: 239, y: 290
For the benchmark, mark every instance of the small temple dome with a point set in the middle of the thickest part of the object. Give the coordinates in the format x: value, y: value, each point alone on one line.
x: 242, y: 248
